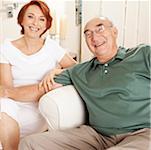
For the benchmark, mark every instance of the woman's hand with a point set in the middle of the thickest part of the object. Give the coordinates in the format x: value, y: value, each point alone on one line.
x: 48, y: 81
x: 3, y: 91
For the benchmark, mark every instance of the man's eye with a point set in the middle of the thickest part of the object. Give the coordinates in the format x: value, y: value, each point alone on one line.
x: 100, y: 29
x: 88, y: 34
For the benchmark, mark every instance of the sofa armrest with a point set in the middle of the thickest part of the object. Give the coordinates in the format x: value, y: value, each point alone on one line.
x: 62, y: 108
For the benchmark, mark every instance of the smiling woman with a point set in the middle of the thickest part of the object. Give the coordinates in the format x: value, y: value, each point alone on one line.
x: 24, y: 63
x: 43, y: 15
x: 34, y: 23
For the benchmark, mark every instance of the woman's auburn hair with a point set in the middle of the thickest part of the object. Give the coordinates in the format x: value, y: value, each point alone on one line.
x: 43, y: 7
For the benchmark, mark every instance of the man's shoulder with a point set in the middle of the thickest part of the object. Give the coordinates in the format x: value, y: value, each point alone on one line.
x: 141, y: 48
x: 144, y: 47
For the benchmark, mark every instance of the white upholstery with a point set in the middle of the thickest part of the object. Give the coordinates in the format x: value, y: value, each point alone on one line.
x: 62, y: 108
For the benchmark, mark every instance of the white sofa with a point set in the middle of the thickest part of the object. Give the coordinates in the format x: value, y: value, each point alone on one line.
x: 62, y: 108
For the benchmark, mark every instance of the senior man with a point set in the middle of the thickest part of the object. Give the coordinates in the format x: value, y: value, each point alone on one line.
x: 115, y: 86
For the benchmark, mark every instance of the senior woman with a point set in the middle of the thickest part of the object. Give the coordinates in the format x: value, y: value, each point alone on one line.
x: 24, y: 63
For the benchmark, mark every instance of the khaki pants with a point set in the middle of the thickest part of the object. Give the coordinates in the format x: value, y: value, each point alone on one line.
x: 86, y: 138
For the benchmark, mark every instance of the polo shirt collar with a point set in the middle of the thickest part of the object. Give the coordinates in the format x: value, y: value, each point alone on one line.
x: 120, y: 56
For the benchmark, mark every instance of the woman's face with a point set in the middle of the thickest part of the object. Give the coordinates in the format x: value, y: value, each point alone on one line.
x: 34, y: 22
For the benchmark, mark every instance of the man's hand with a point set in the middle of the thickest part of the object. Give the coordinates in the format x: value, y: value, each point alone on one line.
x: 56, y: 85
x: 48, y: 82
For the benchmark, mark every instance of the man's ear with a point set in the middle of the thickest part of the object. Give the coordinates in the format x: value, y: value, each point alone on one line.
x: 115, y: 32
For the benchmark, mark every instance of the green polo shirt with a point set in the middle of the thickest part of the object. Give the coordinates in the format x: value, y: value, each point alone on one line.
x: 117, y: 93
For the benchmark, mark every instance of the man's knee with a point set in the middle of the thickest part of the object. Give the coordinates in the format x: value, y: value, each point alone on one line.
x: 37, y: 142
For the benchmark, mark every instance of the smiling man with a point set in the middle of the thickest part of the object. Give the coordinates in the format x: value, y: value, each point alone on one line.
x: 115, y: 86
x: 104, y: 47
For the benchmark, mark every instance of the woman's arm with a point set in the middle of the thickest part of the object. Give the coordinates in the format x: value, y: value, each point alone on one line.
x: 6, y: 75
x: 48, y: 80
x: 23, y: 93
x: 29, y: 92
x: 67, y: 61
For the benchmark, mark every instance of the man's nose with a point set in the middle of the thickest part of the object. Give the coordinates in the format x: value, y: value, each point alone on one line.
x: 95, y: 36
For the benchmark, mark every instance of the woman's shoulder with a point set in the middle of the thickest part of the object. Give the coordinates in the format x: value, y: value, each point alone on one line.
x: 10, y: 42
x: 53, y: 46
x: 6, y: 51
x: 7, y: 47
x: 51, y: 43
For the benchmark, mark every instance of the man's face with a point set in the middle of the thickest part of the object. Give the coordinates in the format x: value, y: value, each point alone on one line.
x: 101, y: 37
